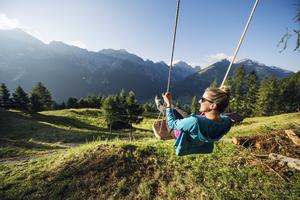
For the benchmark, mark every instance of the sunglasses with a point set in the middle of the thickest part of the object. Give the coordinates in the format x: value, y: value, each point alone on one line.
x: 202, y: 100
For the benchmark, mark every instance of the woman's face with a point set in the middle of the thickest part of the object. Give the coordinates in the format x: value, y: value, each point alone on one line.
x: 205, y: 103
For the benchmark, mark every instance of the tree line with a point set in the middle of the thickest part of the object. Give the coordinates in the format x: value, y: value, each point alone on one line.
x: 119, y: 111
x: 253, y: 97
x: 39, y: 99
x: 270, y: 96
x: 249, y: 97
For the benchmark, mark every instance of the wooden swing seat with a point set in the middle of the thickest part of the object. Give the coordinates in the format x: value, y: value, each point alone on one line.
x: 161, y: 131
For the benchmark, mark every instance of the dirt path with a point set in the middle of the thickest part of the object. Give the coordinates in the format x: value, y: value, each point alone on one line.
x: 26, y: 158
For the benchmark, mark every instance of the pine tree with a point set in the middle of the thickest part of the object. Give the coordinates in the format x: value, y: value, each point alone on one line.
x: 35, y: 102
x: 228, y: 83
x: 251, y: 95
x: 122, y: 106
x: 55, y: 106
x: 72, y: 102
x: 110, y: 111
x: 40, y: 98
x: 20, y: 99
x: 261, y: 107
x: 62, y: 105
x: 238, y: 85
x: 100, y: 100
x: 267, y: 100
x: 82, y: 103
x: 275, y: 90
x: 133, y: 111
x: 92, y: 102
x: 214, y: 84
x: 122, y: 96
x: 289, y: 100
x: 147, y: 107
x: 195, y: 105
x: 5, y: 101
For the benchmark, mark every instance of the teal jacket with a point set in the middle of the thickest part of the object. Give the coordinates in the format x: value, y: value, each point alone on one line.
x: 198, y: 134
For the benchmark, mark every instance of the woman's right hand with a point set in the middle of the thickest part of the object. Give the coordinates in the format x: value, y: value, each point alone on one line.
x: 167, y: 99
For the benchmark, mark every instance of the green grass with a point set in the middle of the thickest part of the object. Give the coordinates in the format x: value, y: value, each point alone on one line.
x: 145, y: 168
x: 264, y: 125
x: 18, y: 148
x: 26, y: 134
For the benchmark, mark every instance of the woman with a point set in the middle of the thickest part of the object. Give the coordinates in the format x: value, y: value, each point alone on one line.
x: 198, y: 133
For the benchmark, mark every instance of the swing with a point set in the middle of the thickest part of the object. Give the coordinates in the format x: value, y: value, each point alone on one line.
x: 161, y: 131
x: 160, y: 126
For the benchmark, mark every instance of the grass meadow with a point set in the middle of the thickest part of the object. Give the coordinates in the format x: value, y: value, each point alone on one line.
x: 71, y: 155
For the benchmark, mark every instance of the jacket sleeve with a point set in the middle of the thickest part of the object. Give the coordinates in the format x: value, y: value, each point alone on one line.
x: 187, y: 124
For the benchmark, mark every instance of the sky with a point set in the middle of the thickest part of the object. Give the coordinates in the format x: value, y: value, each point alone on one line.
x: 208, y: 30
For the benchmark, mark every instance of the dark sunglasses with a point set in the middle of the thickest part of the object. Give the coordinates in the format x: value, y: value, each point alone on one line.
x: 202, y: 100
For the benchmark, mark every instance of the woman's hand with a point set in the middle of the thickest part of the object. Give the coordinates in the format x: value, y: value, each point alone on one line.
x: 167, y: 99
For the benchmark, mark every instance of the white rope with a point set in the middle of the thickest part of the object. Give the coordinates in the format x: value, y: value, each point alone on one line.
x: 171, y: 63
x: 240, y: 42
x: 173, y: 45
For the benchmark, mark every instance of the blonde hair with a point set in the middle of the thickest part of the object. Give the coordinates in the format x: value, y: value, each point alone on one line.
x: 219, y: 96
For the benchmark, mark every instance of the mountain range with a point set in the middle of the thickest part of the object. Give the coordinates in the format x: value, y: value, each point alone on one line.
x: 197, y: 82
x: 67, y: 70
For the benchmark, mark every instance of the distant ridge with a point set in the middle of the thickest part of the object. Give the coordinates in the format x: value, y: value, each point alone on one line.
x: 196, y: 83
x: 67, y: 70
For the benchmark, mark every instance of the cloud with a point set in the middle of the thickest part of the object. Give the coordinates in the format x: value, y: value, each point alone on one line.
x: 7, y: 23
x: 194, y: 64
x: 168, y: 62
x: 79, y: 44
x: 216, y: 57
x: 210, y: 59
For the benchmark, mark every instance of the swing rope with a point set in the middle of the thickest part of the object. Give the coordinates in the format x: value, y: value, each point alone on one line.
x: 172, y: 57
x: 235, y: 53
x: 240, y: 42
x: 232, y: 61
x: 173, y: 45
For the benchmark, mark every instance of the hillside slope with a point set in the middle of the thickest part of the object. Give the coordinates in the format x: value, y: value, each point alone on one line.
x: 149, y: 169
x: 23, y: 134
x: 145, y: 170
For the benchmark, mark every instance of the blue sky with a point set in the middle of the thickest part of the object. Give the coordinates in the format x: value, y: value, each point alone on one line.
x: 208, y: 30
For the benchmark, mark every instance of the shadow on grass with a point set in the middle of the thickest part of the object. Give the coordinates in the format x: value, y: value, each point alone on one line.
x: 14, y: 148
x: 100, y: 169
x: 26, y: 144
x: 18, y: 126
x: 65, y: 121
